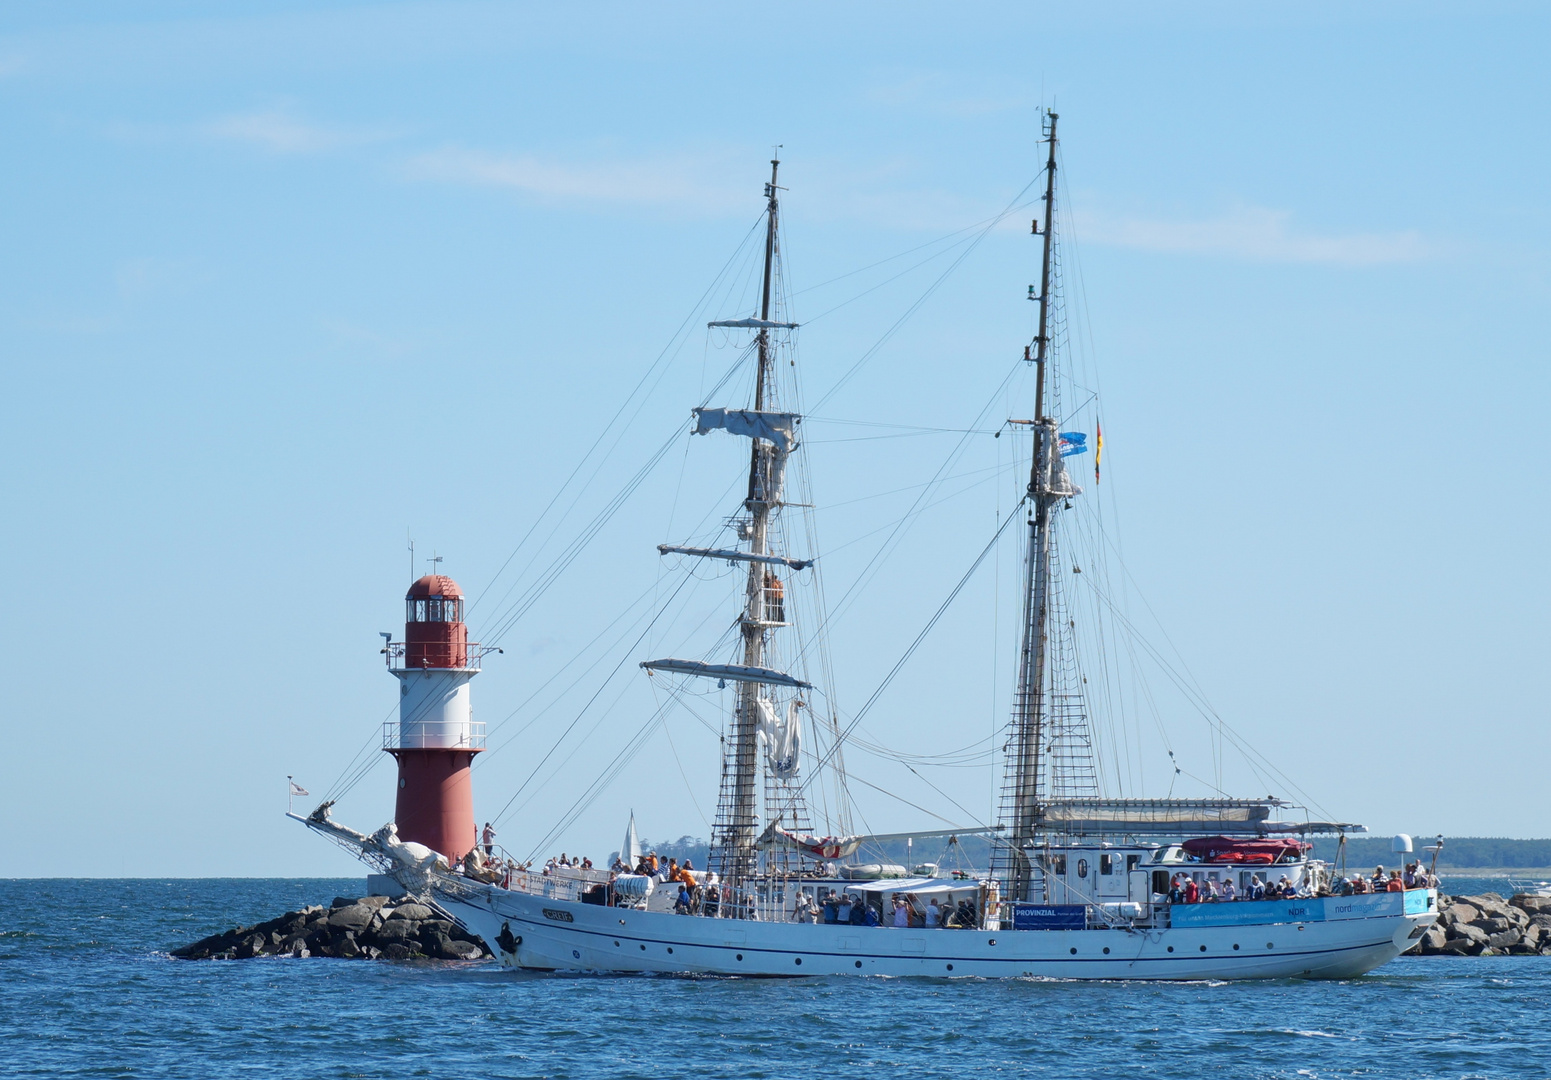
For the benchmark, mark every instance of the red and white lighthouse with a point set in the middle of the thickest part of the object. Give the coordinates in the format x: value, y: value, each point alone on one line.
x: 436, y: 737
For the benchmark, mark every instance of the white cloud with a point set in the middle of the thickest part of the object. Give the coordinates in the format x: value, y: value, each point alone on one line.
x: 1256, y: 234
x: 687, y: 183
x: 279, y: 132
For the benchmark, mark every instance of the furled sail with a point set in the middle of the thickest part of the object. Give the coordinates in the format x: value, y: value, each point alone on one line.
x: 755, y: 324
x: 781, y: 736
x: 731, y: 672
x: 779, y: 428
x: 825, y: 847
x: 733, y: 555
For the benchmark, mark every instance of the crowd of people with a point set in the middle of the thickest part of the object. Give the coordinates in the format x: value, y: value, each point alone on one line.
x: 904, y: 911
x: 1185, y: 889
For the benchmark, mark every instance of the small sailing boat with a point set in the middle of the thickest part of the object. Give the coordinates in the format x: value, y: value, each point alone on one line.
x: 1079, y: 885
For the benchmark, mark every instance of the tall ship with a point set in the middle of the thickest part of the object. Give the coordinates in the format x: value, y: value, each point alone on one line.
x: 1075, y: 884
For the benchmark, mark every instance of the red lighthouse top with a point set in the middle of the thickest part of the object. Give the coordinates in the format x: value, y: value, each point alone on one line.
x: 434, y: 634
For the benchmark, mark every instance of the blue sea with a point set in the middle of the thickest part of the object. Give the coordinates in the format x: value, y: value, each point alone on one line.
x: 87, y: 989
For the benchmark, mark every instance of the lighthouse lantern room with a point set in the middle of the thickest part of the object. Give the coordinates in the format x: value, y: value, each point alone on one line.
x: 435, y: 737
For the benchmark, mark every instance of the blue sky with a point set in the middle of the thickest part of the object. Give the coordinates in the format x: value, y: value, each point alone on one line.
x: 284, y: 283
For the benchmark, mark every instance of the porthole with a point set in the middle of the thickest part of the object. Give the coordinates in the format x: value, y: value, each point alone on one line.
x: 575, y: 954
x: 1082, y: 868
x: 643, y: 948
x: 1171, y: 948
x: 950, y: 966
x: 616, y: 944
x: 1203, y: 948
x: 799, y: 961
x: 670, y: 950
x: 1270, y: 945
x: 1235, y: 948
x: 740, y: 956
x: 1106, y: 950
x: 859, y: 964
x: 991, y: 942
x: 1074, y: 952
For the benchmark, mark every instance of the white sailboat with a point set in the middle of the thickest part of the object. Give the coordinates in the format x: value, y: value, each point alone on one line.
x: 1078, y: 886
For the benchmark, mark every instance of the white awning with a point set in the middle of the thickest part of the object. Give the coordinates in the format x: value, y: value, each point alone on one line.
x: 731, y: 672
x: 915, y: 886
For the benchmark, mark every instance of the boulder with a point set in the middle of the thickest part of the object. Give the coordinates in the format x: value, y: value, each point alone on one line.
x: 341, y: 901
x: 461, y: 950
x: 1494, y: 925
x: 412, y: 911
x: 395, y: 930
x: 436, y: 926
x: 353, y: 917
x: 1470, y: 933
x: 1433, y: 941
x: 345, y: 947
x: 373, y: 901
x: 1460, y: 913
x: 396, y: 951
x: 1533, y: 936
x: 1459, y: 947
x: 1534, y: 905
x: 1505, y: 939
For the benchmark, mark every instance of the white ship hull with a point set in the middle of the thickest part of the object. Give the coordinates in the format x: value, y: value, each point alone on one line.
x: 1340, y: 937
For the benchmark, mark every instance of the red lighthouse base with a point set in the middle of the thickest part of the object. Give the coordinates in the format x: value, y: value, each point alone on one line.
x: 435, y: 805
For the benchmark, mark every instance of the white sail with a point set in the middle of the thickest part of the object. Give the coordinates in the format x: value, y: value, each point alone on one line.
x: 781, y: 736
x: 630, y: 851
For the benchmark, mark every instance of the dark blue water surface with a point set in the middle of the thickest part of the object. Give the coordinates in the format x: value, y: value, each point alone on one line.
x: 86, y: 989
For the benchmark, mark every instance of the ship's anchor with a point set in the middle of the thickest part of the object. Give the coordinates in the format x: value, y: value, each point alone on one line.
x: 507, y: 941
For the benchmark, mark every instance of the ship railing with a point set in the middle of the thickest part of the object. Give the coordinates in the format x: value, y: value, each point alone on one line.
x: 433, y: 735
x: 396, y: 654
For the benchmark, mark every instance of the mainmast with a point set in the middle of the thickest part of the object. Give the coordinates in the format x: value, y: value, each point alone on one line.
x: 1029, y: 704
x: 734, y: 848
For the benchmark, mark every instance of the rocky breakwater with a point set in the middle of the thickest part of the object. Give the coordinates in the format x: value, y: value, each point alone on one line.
x: 370, y: 928
x: 1488, y: 925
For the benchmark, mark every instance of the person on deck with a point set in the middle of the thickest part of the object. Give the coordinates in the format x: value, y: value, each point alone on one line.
x: 831, y: 909
x: 1395, y: 884
x: 1176, y: 890
x: 933, y: 914
x: 870, y: 916
x: 843, y: 909
x: 901, y: 912
x: 488, y: 837
x: 859, y: 911
x: 1228, y: 890
x: 1192, y: 894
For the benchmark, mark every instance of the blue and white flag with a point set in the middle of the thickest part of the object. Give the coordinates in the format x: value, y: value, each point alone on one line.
x: 1073, y: 442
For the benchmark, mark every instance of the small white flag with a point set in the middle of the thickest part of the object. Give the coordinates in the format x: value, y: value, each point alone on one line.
x: 297, y: 789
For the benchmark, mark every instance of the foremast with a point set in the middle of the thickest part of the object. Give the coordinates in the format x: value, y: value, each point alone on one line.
x: 1025, y: 788
x: 732, y: 840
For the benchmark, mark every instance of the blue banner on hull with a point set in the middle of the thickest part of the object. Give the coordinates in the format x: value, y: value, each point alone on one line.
x: 1323, y: 909
x: 1049, y: 917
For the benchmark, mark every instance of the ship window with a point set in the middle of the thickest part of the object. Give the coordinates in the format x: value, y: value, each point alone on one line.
x: 433, y: 610
x: 1058, y: 864
x: 1106, y: 864
x: 1082, y: 868
x: 1132, y: 862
